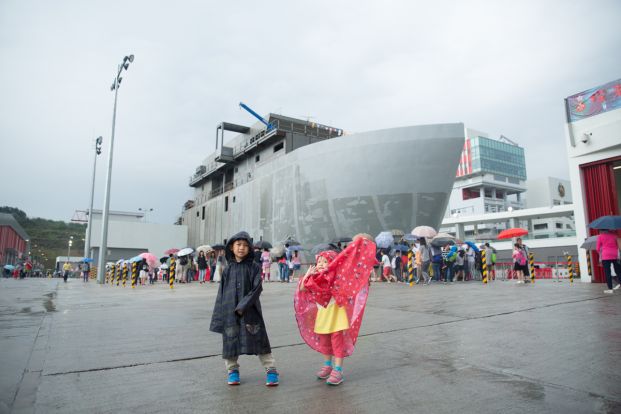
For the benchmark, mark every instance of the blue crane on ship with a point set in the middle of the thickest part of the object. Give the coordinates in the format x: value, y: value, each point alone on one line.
x: 269, y: 125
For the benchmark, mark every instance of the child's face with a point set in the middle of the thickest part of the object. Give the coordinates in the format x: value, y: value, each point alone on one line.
x: 240, y: 249
x: 322, y: 264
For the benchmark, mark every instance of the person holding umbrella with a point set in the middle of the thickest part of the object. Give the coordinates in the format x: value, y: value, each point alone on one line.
x: 201, y: 264
x: 526, y: 252
x: 608, y: 249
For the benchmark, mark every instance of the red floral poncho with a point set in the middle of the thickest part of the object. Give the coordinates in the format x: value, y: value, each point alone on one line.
x: 347, y: 281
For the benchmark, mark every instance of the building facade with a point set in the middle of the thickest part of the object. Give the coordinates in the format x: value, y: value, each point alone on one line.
x: 593, y: 129
x: 490, y: 178
x: 13, y: 240
x: 129, y: 235
x: 548, y: 192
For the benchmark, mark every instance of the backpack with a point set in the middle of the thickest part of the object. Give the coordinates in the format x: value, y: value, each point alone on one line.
x: 520, y: 258
x: 493, y: 257
x: 183, y: 261
x: 451, y: 257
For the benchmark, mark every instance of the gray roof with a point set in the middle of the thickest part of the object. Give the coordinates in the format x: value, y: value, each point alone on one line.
x: 8, y: 220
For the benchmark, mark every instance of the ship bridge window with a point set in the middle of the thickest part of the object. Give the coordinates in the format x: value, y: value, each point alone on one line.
x: 226, y: 203
x: 278, y: 147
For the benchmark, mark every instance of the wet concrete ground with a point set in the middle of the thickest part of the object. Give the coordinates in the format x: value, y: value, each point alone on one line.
x: 85, y: 348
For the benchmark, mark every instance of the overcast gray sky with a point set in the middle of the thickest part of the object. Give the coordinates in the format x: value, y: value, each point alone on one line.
x: 501, y: 67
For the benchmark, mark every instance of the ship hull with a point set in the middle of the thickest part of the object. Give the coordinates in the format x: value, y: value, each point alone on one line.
x: 368, y: 182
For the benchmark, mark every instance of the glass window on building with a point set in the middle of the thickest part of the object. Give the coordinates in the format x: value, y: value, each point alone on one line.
x: 542, y: 226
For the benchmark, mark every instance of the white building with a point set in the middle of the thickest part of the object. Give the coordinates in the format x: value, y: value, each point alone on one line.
x: 129, y: 235
x: 490, y: 179
x: 548, y: 192
x: 594, y: 151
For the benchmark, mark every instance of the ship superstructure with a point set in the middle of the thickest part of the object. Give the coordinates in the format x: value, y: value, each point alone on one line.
x: 313, y: 182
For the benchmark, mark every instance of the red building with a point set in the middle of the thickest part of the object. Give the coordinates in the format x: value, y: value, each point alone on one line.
x: 13, y: 240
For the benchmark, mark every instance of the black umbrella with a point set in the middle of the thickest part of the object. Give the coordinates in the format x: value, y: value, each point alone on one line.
x: 163, y: 259
x: 217, y: 246
x: 323, y: 247
x: 262, y: 244
x: 342, y: 239
x: 291, y: 241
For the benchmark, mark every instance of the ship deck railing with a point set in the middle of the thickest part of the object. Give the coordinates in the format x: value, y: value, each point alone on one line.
x: 262, y: 136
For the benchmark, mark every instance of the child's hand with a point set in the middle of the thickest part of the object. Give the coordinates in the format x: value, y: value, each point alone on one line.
x: 311, y: 269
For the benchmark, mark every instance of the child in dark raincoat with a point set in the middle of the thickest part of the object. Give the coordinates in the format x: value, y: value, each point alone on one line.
x: 237, y: 313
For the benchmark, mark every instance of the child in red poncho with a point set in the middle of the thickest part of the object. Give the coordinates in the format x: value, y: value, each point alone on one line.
x: 329, y: 303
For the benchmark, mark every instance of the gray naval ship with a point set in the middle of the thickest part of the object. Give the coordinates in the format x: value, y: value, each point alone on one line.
x: 284, y: 177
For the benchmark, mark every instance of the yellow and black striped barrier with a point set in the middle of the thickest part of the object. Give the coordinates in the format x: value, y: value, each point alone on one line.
x: 484, y: 265
x: 125, y: 270
x: 134, y: 275
x: 107, y: 279
x: 531, y: 266
x: 119, y: 272
x: 411, y: 267
x: 171, y: 272
x: 570, y: 268
x: 589, y: 269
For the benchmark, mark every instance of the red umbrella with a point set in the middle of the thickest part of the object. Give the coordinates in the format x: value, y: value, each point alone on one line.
x: 171, y: 251
x: 511, y: 233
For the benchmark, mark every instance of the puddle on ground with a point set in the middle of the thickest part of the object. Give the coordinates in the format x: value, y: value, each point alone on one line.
x: 48, y: 303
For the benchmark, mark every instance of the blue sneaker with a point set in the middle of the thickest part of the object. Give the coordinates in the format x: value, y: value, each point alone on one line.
x: 271, y: 379
x: 233, y: 377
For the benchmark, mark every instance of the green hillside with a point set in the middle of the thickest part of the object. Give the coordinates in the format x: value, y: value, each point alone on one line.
x: 49, y: 238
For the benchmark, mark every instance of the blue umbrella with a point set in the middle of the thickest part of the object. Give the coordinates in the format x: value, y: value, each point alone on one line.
x: 401, y: 247
x: 87, y: 260
x: 135, y: 259
x: 9, y: 267
x: 296, y: 248
x: 410, y: 237
x: 606, y: 223
x: 473, y: 246
x: 384, y: 240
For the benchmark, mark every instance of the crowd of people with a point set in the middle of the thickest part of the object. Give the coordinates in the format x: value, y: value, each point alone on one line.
x: 447, y: 264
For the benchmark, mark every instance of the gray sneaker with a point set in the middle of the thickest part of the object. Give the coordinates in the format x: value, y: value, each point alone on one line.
x: 609, y: 291
x: 616, y: 287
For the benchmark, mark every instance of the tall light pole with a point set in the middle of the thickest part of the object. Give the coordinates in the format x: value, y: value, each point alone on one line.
x: 145, y: 210
x: 87, y: 244
x: 103, y: 248
x: 69, y: 248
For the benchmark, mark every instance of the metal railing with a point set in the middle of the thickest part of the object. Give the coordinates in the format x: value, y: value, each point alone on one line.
x: 252, y: 142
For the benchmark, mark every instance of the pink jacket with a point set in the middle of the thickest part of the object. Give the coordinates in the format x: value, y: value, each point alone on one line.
x: 607, y: 246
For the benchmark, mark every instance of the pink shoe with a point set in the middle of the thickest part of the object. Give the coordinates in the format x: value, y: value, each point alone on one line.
x: 324, y: 372
x: 336, y: 378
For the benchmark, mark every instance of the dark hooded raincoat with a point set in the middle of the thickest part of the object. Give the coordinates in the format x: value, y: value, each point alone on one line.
x: 239, y: 290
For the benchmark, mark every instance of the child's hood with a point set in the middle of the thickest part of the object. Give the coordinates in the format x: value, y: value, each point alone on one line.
x: 242, y: 235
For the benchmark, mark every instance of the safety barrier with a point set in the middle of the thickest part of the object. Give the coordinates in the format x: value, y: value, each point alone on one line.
x: 542, y: 270
x: 171, y: 272
x: 484, y: 265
